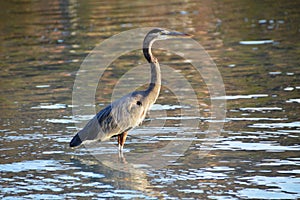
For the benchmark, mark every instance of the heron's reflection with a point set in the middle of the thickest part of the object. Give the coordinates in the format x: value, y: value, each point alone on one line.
x: 118, y: 173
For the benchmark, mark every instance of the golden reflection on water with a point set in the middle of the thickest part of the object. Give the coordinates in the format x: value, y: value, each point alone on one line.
x: 43, y: 44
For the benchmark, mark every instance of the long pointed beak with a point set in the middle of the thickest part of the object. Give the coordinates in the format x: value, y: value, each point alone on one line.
x: 175, y: 34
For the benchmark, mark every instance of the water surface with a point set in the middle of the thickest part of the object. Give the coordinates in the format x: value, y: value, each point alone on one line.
x: 256, y: 48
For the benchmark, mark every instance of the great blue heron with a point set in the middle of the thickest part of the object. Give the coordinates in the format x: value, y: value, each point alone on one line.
x: 129, y: 111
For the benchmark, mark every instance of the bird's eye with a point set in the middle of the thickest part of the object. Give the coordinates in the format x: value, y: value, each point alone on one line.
x: 138, y: 103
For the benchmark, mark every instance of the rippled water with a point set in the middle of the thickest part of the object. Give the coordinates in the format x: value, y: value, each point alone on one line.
x: 256, y: 48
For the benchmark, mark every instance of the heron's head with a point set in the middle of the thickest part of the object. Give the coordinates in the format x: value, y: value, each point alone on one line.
x: 162, y: 34
x: 159, y: 34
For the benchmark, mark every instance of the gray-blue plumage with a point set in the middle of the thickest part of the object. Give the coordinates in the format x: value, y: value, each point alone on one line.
x: 130, y: 110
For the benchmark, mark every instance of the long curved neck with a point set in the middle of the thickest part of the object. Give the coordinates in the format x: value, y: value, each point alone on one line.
x: 155, y: 84
x: 147, y: 45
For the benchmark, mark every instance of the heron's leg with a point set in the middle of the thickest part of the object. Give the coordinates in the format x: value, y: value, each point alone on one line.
x: 121, y: 140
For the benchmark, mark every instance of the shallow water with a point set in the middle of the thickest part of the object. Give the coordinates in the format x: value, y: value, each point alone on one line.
x: 256, y: 156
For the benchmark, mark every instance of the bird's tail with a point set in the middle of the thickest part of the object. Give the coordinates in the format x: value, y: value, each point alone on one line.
x: 76, y: 141
x: 91, y: 131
